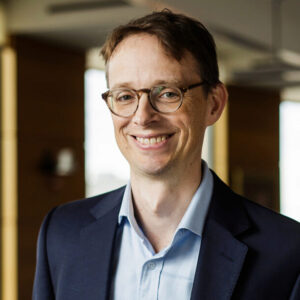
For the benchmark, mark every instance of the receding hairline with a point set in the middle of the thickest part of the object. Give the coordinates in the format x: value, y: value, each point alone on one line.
x: 166, y: 51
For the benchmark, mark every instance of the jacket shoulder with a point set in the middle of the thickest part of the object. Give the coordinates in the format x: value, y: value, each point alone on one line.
x: 64, y: 223
x: 268, y: 224
x: 274, y: 223
x: 87, y: 208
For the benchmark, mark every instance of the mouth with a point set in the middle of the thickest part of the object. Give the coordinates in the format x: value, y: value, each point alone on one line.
x: 153, y: 140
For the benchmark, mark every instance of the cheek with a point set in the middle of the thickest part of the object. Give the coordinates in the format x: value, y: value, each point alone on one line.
x: 194, y: 123
x: 119, y: 125
x: 195, y: 112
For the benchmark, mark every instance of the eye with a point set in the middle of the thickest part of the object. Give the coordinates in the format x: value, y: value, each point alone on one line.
x: 124, y: 97
x: 168, y: 95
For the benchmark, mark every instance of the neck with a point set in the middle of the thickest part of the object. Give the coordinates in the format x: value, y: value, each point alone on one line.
x: 160, y: 203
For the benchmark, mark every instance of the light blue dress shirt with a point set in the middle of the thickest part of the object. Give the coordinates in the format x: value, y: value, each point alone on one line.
x: 142, y: 274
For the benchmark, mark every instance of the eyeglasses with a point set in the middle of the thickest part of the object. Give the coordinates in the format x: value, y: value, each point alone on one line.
x: 124, y: 102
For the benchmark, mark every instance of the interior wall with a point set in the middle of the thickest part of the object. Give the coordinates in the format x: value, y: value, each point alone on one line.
x: 2, y: 25
x: 253, y: 141
x: 50, y: 118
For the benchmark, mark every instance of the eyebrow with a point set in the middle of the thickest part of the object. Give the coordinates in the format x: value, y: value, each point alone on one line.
x: 123, y: 85
x: 155, y: 83
x: 174, y: 81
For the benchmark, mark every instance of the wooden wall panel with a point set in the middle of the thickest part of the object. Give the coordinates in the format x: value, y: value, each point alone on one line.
x: 254, y: 144
x: 50, y: 93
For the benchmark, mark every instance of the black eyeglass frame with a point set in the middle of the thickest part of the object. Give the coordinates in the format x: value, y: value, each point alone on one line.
x: 148, y: 92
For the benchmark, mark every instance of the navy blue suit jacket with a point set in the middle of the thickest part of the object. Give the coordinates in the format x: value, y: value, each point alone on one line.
x: 247, y: 252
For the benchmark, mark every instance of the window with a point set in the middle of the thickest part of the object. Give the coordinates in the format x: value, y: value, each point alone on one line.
x: 105, y: 167
x: 290, y: 159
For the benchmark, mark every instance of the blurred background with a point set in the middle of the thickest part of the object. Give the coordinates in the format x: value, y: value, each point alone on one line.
x: 56, y: 135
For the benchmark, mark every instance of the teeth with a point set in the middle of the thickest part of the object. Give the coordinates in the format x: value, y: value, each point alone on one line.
x: 152, y: 141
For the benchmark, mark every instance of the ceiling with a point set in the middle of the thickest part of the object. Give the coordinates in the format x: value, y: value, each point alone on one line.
x: 83, y: 22
x: 242, y: 28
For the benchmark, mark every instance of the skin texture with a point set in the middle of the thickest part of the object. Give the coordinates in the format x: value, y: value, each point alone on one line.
x: 164, y: 176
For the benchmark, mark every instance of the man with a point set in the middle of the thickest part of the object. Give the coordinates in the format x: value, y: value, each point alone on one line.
x: 175, y: 231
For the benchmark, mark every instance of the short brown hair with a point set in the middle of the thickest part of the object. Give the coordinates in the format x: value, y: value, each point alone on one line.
x: 177, y: 33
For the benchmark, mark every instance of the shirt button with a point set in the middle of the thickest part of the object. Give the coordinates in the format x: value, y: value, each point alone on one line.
x: 152, y: 265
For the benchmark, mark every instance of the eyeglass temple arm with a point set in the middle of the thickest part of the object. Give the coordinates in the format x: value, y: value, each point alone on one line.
x: 104, y: 95
x: 193, y: 86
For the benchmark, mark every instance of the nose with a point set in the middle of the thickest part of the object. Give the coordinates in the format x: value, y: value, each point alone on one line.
x: 145, y: 113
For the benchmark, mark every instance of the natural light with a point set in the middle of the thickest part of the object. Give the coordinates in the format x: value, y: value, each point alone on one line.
x: 290, y: 159
x: 105, y: 166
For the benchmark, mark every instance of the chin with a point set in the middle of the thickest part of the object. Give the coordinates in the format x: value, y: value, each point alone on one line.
x: 152, y: 169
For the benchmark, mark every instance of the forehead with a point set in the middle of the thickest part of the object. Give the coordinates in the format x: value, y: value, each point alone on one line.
x: 140, y: 60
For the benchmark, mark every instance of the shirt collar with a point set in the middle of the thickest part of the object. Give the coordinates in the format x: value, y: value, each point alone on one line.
x: 195, y: 214
x: 127, y: 212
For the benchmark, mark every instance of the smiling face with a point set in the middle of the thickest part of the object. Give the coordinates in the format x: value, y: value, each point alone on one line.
x: 155, y: 143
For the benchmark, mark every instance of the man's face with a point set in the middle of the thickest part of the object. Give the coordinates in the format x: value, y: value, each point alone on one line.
x: 156, y: 143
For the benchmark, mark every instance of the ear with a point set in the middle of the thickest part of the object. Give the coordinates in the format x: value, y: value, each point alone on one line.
x: 217, y: 99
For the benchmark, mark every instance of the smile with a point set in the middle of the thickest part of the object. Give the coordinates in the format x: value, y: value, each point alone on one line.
x: 153, y: 140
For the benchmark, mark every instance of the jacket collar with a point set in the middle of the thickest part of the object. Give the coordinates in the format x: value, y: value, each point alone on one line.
x: 222, y: 255
x: 227, y: 209
x: 97, y: 245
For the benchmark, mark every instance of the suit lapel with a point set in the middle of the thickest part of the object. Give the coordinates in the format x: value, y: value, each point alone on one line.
x: 222, y: 255
x: 97, y: 244
x: 219, y: 265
